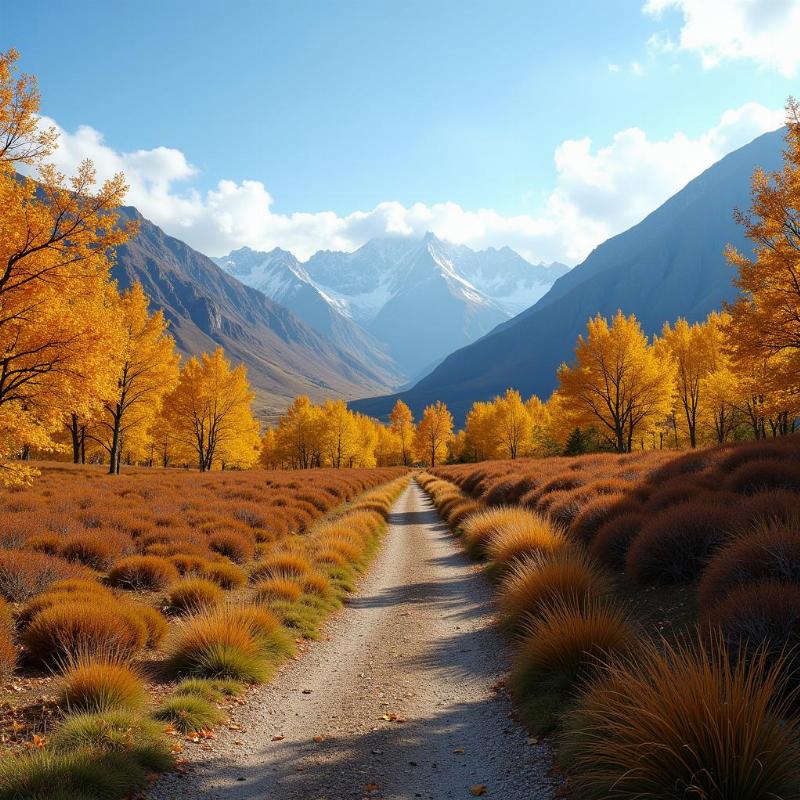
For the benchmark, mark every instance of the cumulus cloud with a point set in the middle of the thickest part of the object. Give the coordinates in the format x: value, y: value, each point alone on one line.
x: 763, y: 31
x: 599, y: 191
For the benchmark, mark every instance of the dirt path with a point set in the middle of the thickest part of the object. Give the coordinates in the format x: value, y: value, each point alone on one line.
x: 400, y: 687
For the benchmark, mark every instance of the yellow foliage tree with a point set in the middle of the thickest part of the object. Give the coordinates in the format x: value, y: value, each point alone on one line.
x: 56, y: 299
x: 765, y: 320
x: 340, y: 433
x: 513, y: 423
x: 617, y: 381
x: 481, y: 437
x: 146, y: 370
x: 402, y: 425
x: 433, y: 434
x: 299, y: 433
x: 210, y: 411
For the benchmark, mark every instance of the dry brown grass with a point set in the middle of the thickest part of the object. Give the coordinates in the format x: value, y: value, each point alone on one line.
x: 684, y: 721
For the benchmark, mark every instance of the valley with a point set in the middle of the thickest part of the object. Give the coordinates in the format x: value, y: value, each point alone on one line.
x: 400, y: 401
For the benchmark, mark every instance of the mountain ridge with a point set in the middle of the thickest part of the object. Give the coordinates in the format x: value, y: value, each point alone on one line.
x: 207, y: 307
x: 418, y: 299
x: 670, y: 264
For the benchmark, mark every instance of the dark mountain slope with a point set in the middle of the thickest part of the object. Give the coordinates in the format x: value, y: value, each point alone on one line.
x: 669, y: 265
x: 207, y: 307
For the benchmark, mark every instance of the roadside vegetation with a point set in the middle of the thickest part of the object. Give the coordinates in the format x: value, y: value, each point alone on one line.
x: 135, y: 613
x: 652, y: 600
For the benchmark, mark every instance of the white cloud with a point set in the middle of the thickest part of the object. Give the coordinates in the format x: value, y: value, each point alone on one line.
x: 637, y: 69
x: 613, y: 67
x: 763, y: 31
x: 598, y: 192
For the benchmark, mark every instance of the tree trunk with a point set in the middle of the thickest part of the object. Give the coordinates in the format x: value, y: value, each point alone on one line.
x: 113, y: 468
x: 74, y: 431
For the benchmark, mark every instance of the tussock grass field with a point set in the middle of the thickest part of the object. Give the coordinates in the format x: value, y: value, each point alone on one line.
x: 135, y: 610
x: 654, y: 604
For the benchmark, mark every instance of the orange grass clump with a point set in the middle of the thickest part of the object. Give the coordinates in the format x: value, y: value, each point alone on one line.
x: 194, y: 594
x: 684, y: 720
x: 770, y: 550
x: 534, y: 583
x: 142, y: 573
x: 562, y: 647
x: 96, y: 686
x: 675, y: 545
x: 69, y: 629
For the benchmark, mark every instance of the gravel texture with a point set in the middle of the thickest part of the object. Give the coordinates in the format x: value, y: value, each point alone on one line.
x: 401, y: 698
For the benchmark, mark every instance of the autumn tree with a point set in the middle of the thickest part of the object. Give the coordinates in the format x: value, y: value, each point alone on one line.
x: 481, y: 439
x: 55, y: 239
x: 339, y: 433
x: 146, y: 369
x: 433, y: 434
x: 617, y: 381
x: 299, y: 432
x: 210, y: 411
x: 765, y: 320
x: 513, y: 423
x: 402, y: 425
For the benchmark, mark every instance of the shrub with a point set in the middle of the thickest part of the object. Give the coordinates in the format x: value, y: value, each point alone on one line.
x: 225, y: 574
x: 187, y: 564
x: 213, y: 690
x: 280, y: 587
x: 189, y: 713
x: 8, y: 652
x: 24, y: 574
x: 229, y: 642
x: 459, y: 511
x: 563, y: 506
x: 142, y: 573
x: 537, y: 582
x: 286, y: 563
x: 761, y: 617
x: 596, y: 512
x: 95, y: 549
x: 100, y: 685
x: 764, y: 474
x: 563, y: 647
x: 769, y: 551
x: 675, y: 545
x: 527, y: 535
x: 115, y: 732
x: 51, y: 598
x: 673, y: 493
x: 235, y: 546
x: 71, y: 629
x: 80, y: 775
x: 316, y: 583
x: 480, y: 528
x: 155, y: 623
x: 683, y: 721
x: 774, y: 505
x: 193, y: 594
x: 49, y: 543
x: 612, y: 540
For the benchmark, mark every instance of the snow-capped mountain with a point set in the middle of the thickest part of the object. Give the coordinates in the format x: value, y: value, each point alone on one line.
x: 421, y: 298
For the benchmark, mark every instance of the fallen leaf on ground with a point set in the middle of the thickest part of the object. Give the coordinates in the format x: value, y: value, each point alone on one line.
x: 459, y: 750
x: 319, y: 739
x: 277, y: 739
x: 478, y: 789
x: 372, y: 787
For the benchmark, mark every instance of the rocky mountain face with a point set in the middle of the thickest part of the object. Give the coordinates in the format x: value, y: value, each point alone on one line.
x: 207, y: 307
x: 415, y: 301
x: 671, y: 264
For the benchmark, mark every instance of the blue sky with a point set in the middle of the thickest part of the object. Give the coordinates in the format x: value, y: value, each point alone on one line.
x: 341, y: 106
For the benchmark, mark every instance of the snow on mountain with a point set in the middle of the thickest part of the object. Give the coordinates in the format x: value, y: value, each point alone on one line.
x: 422, y: 298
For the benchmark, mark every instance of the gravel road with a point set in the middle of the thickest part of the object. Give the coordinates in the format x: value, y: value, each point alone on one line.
x: 399, y: 699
